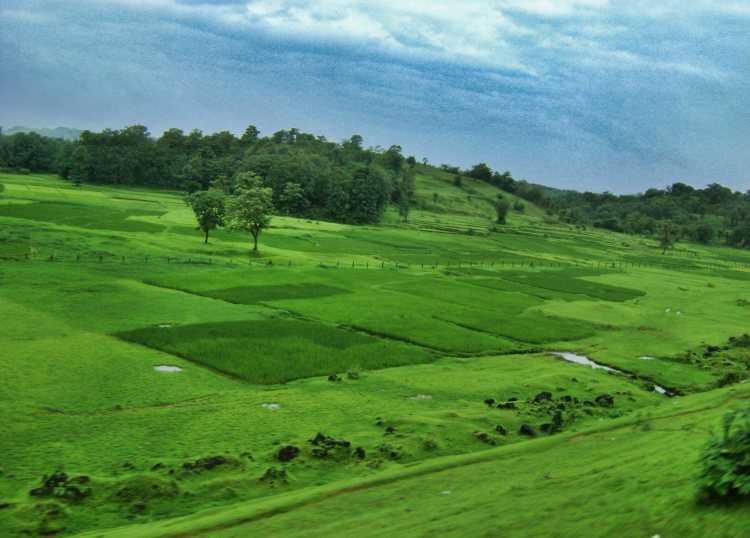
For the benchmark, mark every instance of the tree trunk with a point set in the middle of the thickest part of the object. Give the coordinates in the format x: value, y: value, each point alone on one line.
x: 206, y: 241
x: 255, y: 240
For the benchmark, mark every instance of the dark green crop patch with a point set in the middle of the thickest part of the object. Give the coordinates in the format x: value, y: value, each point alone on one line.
x: 273, y: 351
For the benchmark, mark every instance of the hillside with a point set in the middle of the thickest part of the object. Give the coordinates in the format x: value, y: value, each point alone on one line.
x: 351, y: 379
x: 66, y: 133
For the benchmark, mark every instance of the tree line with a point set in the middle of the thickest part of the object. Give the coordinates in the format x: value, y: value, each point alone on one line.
x: 312, y: 177
x: 308, y: 176
x: 709, y: 215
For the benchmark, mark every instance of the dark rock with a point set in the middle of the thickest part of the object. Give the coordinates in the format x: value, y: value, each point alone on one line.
x: 211, y: 462
x: 274, y: 476
x: 542, y: 396
x: 360, y: 452
x: 485, y: 438
x: 527, y: 430
x: 490, y: 401
x: 501, y: 430
x: 72, y: 493
x: 55, y: 480
x: 605, y: 400
x: 334, y: 378
x: 287, y: 453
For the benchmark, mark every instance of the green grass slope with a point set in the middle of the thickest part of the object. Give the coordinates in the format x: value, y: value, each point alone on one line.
x: 423, y: 322
x: 630, y: 477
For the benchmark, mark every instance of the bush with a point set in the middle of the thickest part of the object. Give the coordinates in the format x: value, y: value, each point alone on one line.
x: 725, y: 463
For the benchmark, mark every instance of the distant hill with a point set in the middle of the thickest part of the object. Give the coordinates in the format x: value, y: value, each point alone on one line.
x: 66, y: 133
x: 551, y: 192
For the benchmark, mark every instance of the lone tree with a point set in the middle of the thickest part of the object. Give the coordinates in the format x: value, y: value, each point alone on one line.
x: 249, y: 208
x: 502, y: 206
x: 208, y: 207
x: 667, y: 236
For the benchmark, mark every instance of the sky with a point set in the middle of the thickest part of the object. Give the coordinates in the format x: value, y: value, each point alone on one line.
x: 585, y: 94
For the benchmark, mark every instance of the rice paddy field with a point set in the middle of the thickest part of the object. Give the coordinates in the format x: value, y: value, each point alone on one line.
x: 356, y: 379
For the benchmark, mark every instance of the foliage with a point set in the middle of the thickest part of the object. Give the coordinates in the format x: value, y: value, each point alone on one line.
x: 208, y: 207
x: 668, y: 234
x: 501, y: 208
x: 725, y: 462
x: 249, y: 208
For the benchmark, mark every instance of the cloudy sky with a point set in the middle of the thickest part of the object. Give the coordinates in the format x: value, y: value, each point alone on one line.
x: 587, y: 94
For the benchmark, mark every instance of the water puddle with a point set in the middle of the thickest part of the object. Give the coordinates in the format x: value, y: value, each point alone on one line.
x: 165, y: 368
x: 271, y: 406
x: 421, y: 397
x: 647, y: 358
x: 582, y: 359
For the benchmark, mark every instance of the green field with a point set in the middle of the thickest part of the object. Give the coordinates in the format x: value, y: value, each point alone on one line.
x: 420, y: 322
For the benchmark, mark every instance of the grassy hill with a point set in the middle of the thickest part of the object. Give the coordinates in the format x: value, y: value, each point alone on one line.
x: 175, y: 376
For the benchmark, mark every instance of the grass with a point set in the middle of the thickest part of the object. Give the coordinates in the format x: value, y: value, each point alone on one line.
x: 84, y: 216
x: 266, y: 352
x: 80, y: 339
x: 632, y: 477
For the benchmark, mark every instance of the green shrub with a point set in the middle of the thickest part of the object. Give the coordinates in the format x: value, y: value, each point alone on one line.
x: 725, y: 463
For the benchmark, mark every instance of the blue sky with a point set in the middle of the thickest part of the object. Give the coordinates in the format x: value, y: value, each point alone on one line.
x: 586, y: 94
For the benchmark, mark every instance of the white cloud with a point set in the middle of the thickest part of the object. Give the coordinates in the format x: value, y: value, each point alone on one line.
x: 536, y: 37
